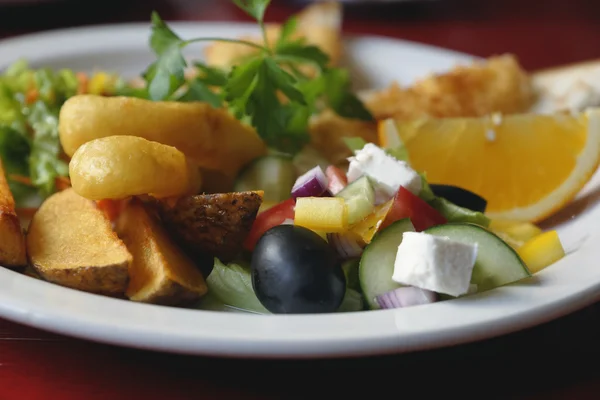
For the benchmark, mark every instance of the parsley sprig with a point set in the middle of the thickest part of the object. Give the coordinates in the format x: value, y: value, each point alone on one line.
x: 268, y: 89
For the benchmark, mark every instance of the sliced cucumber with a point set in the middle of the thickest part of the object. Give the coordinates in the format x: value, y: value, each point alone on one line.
x: 350, y: 268
x: 360, y: 199
x: 352, y: 301
x: 497, y: 264
x: 274, y: 174
x: 377, y: 262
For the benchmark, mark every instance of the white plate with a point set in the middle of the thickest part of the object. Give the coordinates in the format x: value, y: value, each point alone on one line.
x: 562, y: 288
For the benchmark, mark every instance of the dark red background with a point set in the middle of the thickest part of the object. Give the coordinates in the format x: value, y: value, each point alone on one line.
x: 554, y: 361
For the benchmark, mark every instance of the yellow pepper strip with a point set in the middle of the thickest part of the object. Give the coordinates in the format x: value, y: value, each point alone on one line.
x: 326, y: 214
x: 541, y: 251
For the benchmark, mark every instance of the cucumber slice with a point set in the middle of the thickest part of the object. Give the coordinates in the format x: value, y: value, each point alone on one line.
x: 350, y: 268
x: 274, y: 174
x: 360, y: 199
x: 497, y: 264
x: 377, y: 262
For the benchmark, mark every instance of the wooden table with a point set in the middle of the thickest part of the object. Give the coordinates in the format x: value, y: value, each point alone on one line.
x: 556, y: 360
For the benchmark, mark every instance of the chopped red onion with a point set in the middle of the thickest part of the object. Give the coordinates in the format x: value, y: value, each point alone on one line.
x: 346, y: 245
x: 406, y: 296
x: 288, y: 221
x: 310, y: 184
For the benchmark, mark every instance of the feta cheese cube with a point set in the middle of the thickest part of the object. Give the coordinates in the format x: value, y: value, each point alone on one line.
x: 434, y: 263
x: 386, y: 172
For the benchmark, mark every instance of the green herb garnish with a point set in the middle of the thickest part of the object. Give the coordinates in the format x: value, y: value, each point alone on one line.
x: 267, y: 89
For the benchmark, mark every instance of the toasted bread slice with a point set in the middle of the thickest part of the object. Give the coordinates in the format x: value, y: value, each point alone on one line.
x: 71, y: 242
x: 160, y: 273
x: 12, y: 240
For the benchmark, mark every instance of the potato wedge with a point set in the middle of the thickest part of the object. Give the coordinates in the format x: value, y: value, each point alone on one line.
x: 117, y: 167
x: 211, y: 137
x: 12, y: 240
x: 160, y: 272
x: 71, y: 242
x: 212, y: 224
x: 318, y: 24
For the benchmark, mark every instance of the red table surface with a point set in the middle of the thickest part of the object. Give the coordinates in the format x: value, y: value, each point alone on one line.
x: 556, y: 360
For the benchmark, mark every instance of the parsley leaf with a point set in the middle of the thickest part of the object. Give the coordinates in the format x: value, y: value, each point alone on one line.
x: 269, y: 89
x: 301, y: 53
x: 199, y: 91
x: 253, y: 90
x: 166, y: 75
x: 211, y: 76
x: 255, y: 8
x: 287, y: 30
x: 340, y: 98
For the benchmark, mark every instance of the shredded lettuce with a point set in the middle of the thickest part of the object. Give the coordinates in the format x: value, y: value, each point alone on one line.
x: 30, y: 101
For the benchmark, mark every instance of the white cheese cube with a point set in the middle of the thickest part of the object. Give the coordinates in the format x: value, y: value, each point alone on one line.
x: 386, y: 172
x: 434, y: 263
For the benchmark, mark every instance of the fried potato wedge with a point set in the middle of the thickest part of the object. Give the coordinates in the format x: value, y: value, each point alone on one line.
x: 71, y: 242
x: 497, y: 84
x: 212, y: 224
x: 328, y: 129
x: 12, y: 240
x: 117, y: 167
x: 319, y: 24
x: 208, y: 136
x: 160, y: 272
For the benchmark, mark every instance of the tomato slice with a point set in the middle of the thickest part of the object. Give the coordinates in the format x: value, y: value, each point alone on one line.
x: 267, y: 219
x: 407, y: 205
x: 337, y: 179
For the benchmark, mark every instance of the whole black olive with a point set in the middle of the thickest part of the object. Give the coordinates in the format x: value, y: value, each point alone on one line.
x: 295, y: 271
x: 459, y: 196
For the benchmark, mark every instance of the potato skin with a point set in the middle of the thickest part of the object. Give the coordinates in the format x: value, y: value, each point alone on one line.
x: 109, y: 280
x: 212, y: 224
x: 117, y: 167
x: 12, y: 241
x: 209, y: 136
x: 71, y: 242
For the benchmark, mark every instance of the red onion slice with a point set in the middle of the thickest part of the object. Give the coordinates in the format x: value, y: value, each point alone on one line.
x: 345, y: 245
x: 406, y: 297
x: 311, y: 184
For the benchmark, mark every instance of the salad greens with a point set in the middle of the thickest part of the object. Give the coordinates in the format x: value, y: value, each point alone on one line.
x: 30, y: 102
x: 267, y: 89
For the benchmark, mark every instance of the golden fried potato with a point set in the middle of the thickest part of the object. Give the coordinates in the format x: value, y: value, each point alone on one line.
x: 327, y: 131
x: 497, y: 84
x: 12, y: 240
x: 213, y: 224
x: 71, y: 242
x: 160, y: 273
x: 210, y: 137
x: 117, y: 167
x: 319, y: 24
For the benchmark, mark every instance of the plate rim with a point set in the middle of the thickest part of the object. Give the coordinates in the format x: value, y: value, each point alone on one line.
x: 53, y: 315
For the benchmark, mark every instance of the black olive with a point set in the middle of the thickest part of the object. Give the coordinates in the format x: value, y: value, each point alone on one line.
x: 295, y: 271
x: 459, y: 196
